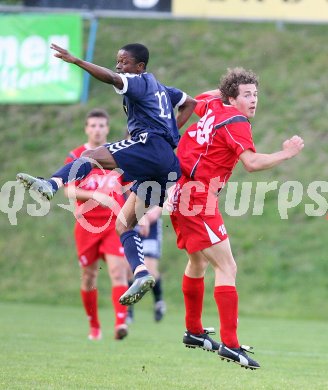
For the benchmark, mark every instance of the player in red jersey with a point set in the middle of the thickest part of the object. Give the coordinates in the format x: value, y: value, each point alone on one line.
x: 208, y: 152
x: 95, y: 234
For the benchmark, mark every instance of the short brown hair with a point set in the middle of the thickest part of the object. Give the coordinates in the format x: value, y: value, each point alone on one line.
x: 97, y: 113
x: 229, y: 83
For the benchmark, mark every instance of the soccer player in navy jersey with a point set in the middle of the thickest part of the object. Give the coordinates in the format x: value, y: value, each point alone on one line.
x: 147, y: 158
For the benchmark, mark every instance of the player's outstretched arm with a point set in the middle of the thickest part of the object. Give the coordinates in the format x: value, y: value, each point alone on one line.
x: 185, y: 111
x: 103, y: 74
x: 260, y: 161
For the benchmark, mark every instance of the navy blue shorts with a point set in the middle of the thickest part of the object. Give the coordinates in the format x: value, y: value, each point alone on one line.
x: 152, y: 244
x: 150, y: 162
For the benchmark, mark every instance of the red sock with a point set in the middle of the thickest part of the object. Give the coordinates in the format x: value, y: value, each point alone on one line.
x: 90, y: 303
x: 226, y: 298
x: 120, y: 310
x: 193, y: 293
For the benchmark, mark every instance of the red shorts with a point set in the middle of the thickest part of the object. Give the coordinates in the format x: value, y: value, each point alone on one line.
x: 92, y: 246
x: 197, y: 222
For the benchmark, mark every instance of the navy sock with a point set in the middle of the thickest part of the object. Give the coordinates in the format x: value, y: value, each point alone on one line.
x: 140, y: 274
x: 133, y: 250
x: 157, y: 290
x: 75, y: 170
x: 54, y: 185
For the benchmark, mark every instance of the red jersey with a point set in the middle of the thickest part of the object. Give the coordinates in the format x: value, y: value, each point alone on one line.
x: 211, y: 147
x: 107, y: 181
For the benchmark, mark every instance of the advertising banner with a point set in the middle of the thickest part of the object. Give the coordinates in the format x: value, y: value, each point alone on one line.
x: 280, y: 10
x: 29, y: 72
x: 121, y: 5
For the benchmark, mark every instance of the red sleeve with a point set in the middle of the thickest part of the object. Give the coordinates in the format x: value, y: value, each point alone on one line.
x: 202, y: 101
x: 70, y: 157
x: 239, y: 137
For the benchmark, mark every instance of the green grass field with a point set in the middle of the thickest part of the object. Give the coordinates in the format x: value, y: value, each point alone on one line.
x: 45, y: 347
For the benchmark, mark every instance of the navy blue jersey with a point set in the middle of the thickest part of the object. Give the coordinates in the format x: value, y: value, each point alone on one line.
x: 149, y: 106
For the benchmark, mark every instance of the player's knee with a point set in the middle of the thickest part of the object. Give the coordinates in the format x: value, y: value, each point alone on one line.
x: 197, y: 266
x: 89, y: 154
x: 118, y: 276
x: 200, y: 264
x: 227, y: 267
x: 89, y: 278
x: 121, y: 227
x: 95, y: 154
x: 233, y: 269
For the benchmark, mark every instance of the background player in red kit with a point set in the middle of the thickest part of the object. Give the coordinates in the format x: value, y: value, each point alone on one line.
x: 208, y: 153
x: 95, y: 234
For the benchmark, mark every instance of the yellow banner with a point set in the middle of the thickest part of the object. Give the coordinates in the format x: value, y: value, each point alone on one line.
x: 285, y: 10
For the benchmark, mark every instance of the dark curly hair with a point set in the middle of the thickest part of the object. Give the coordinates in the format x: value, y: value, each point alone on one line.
x: 230, y: 82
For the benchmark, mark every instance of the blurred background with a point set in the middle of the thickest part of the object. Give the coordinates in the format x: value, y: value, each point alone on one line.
x: 282, y: 262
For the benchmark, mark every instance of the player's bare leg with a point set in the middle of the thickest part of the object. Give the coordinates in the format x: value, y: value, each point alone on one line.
x: 102, y: 156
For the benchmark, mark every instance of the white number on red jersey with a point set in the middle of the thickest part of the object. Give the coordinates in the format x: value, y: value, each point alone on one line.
x: 222, y: 230
x: 204, y: 128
